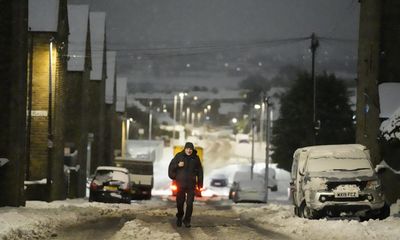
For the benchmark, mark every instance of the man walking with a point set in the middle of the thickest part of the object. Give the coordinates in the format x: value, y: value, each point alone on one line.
x: 186, y: 169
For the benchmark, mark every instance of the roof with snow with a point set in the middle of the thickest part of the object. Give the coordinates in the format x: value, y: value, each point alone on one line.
x: 43, y: 15
x: 121, y: 94
x: 78, y: 17
x: 97, y: 41
x: 389, y: 98
x: 110, y: 80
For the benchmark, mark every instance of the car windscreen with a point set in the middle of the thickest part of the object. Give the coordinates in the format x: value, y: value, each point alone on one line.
x: 111, y: 175
x: 337, y: 164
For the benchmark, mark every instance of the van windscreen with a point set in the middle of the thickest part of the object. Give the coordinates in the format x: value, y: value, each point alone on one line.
x: 337, y: 164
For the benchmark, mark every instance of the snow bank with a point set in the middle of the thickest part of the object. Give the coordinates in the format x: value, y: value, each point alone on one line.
x: 137, y: 229
x: 280, y: 218
x: 39, y: 220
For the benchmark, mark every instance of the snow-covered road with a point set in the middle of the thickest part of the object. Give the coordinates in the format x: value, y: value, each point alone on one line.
x: 155, y: 219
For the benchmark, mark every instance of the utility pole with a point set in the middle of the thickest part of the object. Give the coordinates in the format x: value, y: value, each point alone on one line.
x: 313, y: 47
x: 370, y: 61
x: 253, y: 124
x: 267, y: 142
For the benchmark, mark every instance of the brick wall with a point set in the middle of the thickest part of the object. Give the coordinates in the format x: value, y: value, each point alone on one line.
x: 13, y: 25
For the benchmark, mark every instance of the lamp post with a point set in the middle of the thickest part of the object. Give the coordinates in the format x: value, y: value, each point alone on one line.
x: 128, y: 121
x: 150, y: 118
x: 257, y: 107
x: 50, y: 123
x: 187, y: 115
x: 181, y: 95
x: 262, y: 119
x: 267, y: 142
x: 253, y: 124
x: 175, y: 103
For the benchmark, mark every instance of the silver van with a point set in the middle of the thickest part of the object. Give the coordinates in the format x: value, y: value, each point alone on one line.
x: 336, y: 180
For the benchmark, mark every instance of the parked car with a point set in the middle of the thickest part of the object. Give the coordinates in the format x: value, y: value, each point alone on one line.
x: 272, y: 182
x: 245, y: 189
x: 219, y: 180
x: 110, y: 184
x: 333, y: 180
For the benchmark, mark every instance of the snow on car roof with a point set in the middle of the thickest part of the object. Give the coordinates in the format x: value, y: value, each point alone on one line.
x: 341, y: 150
x: 112, y: 168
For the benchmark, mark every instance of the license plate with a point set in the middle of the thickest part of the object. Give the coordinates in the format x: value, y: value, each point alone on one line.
x: 217, y: 184
x: 346, y: 194
x: 110, y: 188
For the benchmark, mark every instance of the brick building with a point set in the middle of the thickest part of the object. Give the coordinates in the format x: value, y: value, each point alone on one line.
x: 110, y: 109
x: 96, y: 90
x: 76, y: 104
x: 48, y: 31
x: 13, y: 48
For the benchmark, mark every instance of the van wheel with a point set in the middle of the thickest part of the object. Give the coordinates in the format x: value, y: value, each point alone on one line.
x: 296, y: 211
x: 384, y: 212
x: 306, y: 212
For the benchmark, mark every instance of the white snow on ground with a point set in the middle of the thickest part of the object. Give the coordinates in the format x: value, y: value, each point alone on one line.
x: 280, y: 218
x: 38, y: 220
x: 137, y: 229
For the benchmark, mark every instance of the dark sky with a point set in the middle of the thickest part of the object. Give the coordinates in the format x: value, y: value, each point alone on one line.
x: 133, y: 24
x: 209, y: 20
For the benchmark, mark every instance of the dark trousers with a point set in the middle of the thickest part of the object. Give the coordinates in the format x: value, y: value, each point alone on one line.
x: 182, y: 195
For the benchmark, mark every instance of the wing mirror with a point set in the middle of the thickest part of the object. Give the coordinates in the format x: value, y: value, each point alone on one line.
x: 301, y: 172
x: 380, y: 168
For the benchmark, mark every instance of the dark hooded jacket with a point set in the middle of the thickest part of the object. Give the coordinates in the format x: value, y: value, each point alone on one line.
x: 190, y: 174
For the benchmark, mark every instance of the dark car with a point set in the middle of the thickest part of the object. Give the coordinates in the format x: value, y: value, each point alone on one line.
x: 110, y: 184
x: 219, y: 181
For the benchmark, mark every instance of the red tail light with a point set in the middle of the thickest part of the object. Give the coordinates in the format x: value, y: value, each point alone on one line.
x: 93, y: 186
x: 174, y: 187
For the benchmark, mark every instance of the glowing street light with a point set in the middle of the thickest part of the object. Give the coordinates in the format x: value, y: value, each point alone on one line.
x: 181, y: 95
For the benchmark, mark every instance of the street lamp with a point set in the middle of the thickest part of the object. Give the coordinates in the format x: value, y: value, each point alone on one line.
x: 268, y: 106
x: 181, y: 95
x: 128, y: 121
x: 150, y: 119
x: 49, y: 122
x: 187, y: 115
x: 253, y: 124
x: 175, y: 103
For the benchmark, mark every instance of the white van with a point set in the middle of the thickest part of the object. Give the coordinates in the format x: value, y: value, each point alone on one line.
x: 336, y: 180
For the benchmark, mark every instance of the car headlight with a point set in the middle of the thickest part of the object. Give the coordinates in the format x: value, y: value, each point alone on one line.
x: 373, y: 184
